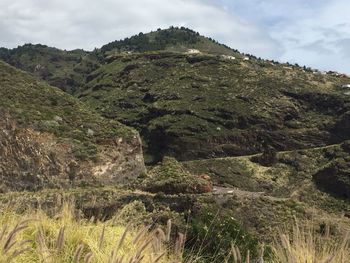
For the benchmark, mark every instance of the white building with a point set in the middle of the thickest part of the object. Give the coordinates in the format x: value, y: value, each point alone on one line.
x: 193, y: 51
x: 228, y: 57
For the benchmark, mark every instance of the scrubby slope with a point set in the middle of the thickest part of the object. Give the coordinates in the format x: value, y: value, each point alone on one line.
x: 49, y: 138
x: 68, y: 69
x: 203, y: 105
x: 297, y: 186
x: 214, y: 103
x: 60, y: 68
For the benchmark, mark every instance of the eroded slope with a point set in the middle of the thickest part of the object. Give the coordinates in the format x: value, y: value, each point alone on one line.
x: 49, y: 138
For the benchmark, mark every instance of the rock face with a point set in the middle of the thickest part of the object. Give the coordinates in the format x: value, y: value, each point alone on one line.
x: 122, y: 162
x: 48, y: 139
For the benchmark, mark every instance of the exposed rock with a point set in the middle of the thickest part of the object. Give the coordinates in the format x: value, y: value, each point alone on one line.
x: 32, y: 160
x: 58, y: 119
x: 40, y: 150
x: 121, y: 162
x: 90, y: 132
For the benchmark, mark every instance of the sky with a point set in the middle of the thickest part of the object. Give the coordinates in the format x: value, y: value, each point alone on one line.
x: 307, y: 32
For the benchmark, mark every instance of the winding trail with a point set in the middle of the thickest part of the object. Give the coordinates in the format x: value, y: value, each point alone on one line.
x: 227, y: 191
x: 257, y: 154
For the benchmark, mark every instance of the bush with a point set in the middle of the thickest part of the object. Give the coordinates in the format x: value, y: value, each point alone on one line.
x: 172, y: 178
x: 213, y: 231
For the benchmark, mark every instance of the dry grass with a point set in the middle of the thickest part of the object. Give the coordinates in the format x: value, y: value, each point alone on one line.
x: 307, y: 245
x: 302, y: 245
x: 235, y: 256
x: 35, y: 237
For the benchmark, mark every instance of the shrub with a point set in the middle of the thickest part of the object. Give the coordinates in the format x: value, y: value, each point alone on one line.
x: 213, y: 232
x: 171, y: 177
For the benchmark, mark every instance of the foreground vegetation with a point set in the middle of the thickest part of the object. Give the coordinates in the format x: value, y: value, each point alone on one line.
x: 36, y: 237
x: 307, y: 245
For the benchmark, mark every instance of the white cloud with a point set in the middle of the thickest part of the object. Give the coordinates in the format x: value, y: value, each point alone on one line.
x: 311, y: 32
x: 323, y: 37
x: 89, y: 23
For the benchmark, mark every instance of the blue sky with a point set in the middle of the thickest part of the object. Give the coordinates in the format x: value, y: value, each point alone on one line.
x: 307, y: 32
x: 315, y: 33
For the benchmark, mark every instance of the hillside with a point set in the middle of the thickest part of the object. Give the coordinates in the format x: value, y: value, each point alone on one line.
x: 203, y: 105
x: 64, y: 69
x: 197, y: 105
x: 236, y: 146
x: 50, y: 139
x: 68, y: 69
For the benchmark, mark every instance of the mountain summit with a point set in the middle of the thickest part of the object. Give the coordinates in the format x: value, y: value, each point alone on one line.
x: 172, y: 39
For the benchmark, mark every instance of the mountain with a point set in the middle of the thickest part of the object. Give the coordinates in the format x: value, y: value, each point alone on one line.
x: 50, y: 139
x: 195, y: 106
x: 69, y: 69
x: 235, y: 146
x: 192, y: 98
x: 172, y: 39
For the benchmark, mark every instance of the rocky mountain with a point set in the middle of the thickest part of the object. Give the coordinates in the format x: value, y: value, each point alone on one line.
x: 192, y: 98
x: 253, y: 142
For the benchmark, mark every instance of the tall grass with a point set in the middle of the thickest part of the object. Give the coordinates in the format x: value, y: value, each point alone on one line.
x: 309, y: 245
x: 304, y: 244
x: 35, y: 237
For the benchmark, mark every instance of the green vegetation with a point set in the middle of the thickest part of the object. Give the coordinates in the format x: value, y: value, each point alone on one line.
x: 237, y: 146
x: 171, y: 178
x: 299, y: 175
x: 214, y: 231
x: 200, y: 105
x: 34, y: 236
x: 64, y: 69
x: 204, y: 106
x: 35, y: 104
x: 171, y: 39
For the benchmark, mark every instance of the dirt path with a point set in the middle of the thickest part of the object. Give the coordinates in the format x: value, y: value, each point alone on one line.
x: 257, y: 154
x: 227, y: 191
